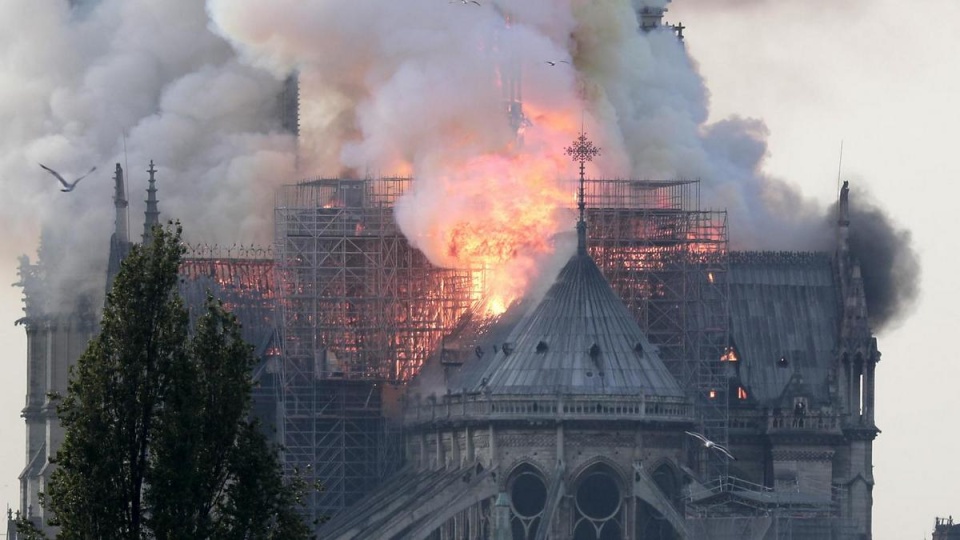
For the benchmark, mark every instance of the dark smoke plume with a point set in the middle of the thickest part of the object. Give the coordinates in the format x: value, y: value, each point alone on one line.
x: 888, y: 261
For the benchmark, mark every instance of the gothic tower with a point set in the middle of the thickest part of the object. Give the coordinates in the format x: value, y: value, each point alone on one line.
x: 60, y: 322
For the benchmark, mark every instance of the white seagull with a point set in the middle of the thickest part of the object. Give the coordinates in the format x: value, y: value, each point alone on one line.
x: 67, y: 186
x: 707, y: 443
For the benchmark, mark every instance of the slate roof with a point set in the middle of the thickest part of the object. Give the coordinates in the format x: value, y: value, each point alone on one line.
x: 783, y: 305
x: 580, y: 339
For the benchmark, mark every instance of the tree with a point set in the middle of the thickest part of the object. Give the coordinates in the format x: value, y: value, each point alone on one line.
x: 158, y: 441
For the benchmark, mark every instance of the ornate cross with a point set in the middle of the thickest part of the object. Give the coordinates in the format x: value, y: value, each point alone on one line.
x: 581, y: 151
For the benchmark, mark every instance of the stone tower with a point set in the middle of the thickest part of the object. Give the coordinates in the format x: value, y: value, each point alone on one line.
x: 60, y: 320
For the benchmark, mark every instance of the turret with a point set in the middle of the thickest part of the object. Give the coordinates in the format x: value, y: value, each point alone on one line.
x: 120, y: 203
x: 650, y: 17
x: 152, y: 213
x: 843, y: 220
x: 856, y: 379
x: 120, y: 239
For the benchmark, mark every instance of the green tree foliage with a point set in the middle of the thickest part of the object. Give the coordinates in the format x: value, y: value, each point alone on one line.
x: 27, y: 529
x: 158, y: 443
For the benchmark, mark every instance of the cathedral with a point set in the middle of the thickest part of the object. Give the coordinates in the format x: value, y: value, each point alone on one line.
x: 563, y: 421
x: 662, y: 387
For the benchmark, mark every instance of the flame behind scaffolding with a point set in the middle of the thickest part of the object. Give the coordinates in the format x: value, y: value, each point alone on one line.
x: 244, y: 280
x: 359, y: 302
x: 359, y: 305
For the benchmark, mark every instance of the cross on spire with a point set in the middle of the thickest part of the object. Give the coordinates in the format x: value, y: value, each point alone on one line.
x: 581, y: 151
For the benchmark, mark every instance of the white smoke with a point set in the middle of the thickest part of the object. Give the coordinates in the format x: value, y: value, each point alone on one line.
x: 127, y: 81
x: 420, y: 87
x: 405, y: 86
x: 414, y: 87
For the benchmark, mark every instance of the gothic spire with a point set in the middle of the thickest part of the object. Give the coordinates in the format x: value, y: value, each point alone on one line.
x: 120, y: 239
x: 120, y: 203
x: 152, y: 213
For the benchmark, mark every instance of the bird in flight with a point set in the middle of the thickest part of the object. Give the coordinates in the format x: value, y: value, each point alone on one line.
x: 465, y: 2
x: 552, y: 63
x: 707, y: 443
x: 67, y: 186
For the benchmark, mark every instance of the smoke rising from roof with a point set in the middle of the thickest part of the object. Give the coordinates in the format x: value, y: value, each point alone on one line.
x: 415, y: 87
x: 888, y: 261
x: 125, y: 82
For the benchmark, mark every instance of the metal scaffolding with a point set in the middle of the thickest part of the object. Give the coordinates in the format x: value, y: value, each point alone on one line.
x: 358, y: 307
x: 358, y: 302
x: 667, y: 259
x: 730, y: 508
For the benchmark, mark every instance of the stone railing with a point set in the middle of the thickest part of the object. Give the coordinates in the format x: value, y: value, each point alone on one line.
x: 483, y: 407
x: 806, y: 422
x: 767, y: 422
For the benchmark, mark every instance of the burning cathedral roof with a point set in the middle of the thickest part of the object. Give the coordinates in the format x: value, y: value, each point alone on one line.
x: 580, y: 339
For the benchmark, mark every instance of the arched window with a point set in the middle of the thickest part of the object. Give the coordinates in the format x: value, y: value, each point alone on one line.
x: 528, y: 499
x: 650, y: 524
x: 599, y: 506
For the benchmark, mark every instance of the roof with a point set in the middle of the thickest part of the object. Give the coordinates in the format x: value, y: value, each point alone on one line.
x: 247, y: 288
x: 783, y: 306
x: 579, y: 339
x: 411, y: 501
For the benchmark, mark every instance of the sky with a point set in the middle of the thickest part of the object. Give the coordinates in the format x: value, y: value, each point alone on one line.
x: 883, y: 78
x: 873, y: 75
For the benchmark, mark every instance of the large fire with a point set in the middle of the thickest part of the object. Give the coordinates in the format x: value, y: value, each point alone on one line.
x: 489, y: 194
x: 500, y: 214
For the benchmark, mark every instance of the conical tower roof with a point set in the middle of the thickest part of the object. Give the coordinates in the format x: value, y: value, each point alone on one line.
x: 580, y: 339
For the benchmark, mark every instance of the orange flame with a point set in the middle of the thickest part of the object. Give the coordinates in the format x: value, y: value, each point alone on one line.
x: 501, y: 214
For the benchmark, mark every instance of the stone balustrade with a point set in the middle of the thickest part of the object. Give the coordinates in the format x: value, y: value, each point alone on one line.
x: 480, y: 407
x: 782, y: 423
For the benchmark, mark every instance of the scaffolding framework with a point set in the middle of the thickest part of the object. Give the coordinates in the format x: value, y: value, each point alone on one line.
x: 729, y: 508
x: 358, y: 302
x: 667, y: 260
x: 360, y: 307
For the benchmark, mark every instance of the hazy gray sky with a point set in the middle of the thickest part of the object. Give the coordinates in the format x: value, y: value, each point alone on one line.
x: 880, y: 77
x: 885, y: 79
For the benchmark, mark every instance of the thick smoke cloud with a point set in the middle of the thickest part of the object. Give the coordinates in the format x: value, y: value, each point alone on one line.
x: 390, y: 88
x: 648, y: 93
x: 889, y: 264
x: 415, y: 87
x: 126, y: 81
x: 718, y: 5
